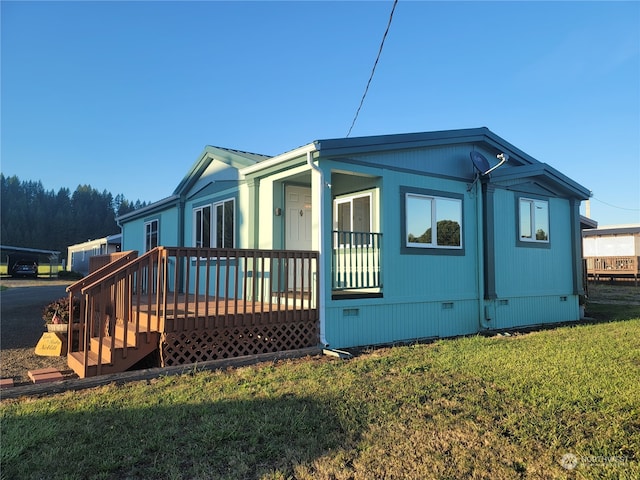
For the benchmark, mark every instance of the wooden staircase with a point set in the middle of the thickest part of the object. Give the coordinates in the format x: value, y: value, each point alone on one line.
x: 118, y: 352
x: 110, y: 333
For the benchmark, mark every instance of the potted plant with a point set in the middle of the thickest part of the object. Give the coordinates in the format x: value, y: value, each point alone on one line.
x: 56, y: 314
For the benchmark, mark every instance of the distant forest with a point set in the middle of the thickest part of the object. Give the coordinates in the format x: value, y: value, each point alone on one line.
x: 32, y: 217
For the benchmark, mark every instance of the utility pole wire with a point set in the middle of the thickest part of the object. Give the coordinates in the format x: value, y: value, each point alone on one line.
x: 374, y: 68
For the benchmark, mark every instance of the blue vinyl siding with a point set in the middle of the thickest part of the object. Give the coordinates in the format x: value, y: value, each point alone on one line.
x: 527, y: 271
x: 133, y: 232
x: 533, y: 285
x: 432, y: 277
x: 424, y: 296
x: 354, y: 324
x: 535, y: 310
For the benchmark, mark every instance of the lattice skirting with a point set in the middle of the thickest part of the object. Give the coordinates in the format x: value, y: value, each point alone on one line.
x: 178, y: 348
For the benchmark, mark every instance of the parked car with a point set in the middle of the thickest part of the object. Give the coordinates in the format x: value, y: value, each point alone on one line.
x: 25, y: 268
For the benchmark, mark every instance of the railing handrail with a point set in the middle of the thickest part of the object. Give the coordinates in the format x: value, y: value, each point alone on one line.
x: 102, y: 271
x: 220, y: 252
x: 121, y: 268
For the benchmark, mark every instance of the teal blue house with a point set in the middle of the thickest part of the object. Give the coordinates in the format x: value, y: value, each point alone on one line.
x: 418, y: 235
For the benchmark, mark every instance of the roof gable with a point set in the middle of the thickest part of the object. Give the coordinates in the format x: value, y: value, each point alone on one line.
x: 233, y: 158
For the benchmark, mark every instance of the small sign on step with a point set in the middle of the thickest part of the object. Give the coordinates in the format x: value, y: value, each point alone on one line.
x: 50, y: 345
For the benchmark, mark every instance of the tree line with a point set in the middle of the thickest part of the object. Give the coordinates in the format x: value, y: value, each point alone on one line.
x: 32, y: 217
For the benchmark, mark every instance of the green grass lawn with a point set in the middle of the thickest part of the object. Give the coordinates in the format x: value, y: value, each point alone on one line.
x: 475, y: 407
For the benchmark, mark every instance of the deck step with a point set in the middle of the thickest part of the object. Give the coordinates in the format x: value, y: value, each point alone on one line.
x: 112, y: 362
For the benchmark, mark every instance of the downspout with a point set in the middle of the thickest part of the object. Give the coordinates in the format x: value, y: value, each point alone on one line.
x: 480, y: 255
x: 321, y: 250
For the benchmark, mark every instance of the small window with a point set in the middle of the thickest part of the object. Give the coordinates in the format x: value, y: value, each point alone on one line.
x: 151, y: 235
x: 534, y: 220
x: 214, y: 225
x: 433, y: 222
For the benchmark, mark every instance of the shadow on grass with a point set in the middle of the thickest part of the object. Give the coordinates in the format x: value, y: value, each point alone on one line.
x: 608, y: 312
x: 223, y: 439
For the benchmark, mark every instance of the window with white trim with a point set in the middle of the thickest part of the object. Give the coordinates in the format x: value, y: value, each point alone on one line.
x: 214, y: 225
x: 151, y: 235
x: 432, y: 221
x: 353, y: 217
x: 534, y: 220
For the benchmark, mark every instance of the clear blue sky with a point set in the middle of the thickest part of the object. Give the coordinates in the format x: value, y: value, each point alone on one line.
x: 124, y: 96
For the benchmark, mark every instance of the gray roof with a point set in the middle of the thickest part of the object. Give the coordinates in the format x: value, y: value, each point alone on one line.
x: 612, y: 230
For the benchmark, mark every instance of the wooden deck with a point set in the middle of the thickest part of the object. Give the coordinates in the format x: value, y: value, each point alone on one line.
x: 201, y: 328
x: 612, y: 268
x: 133, y: 309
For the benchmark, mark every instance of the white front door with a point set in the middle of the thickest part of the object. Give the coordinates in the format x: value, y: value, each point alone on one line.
x: 298, y: 233
x: 298, y: 218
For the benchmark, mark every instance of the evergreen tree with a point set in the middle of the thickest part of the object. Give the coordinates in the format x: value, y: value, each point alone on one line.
x: 32, y: 217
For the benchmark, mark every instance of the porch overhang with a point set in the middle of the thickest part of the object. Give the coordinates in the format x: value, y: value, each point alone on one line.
x: 267, y: 167
x: 547, y: 174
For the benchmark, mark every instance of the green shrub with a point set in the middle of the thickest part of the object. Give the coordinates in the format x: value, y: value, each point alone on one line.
x: 64, y: 274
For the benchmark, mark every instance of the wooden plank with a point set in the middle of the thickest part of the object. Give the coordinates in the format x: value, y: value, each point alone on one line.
x: 45, y: 375
x: 6, y: 382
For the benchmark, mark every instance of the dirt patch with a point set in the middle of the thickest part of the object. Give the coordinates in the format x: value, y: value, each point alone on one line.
x: 21, y: 326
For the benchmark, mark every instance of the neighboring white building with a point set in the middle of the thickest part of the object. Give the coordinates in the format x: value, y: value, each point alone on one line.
x: 612, y: 241
x: 79, y: 254
x: 612, y: 251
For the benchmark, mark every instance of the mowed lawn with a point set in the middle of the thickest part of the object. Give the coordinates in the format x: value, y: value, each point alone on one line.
x: 558, y: 403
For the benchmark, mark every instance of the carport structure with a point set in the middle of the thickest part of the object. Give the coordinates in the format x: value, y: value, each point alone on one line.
x: 9, y: 255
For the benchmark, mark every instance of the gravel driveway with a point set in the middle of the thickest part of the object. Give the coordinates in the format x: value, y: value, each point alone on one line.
x: 21, y: 326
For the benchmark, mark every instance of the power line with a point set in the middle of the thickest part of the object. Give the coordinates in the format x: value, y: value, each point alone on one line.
x: 374, y: 67
x: 614, y: 206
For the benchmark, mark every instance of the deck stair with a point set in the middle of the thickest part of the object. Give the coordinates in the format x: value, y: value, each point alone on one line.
x: 115, y: 354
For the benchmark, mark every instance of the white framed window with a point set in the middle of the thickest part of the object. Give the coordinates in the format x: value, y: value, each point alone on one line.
x: 151, y: 235
x: 202, y: 226
x: 214, y: 225
x: 432, y: 222
x: 225, y: 223
x: 534, y: 220
x: 353, y: 217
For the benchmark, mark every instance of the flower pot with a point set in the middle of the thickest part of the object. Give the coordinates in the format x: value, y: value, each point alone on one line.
x: 57, y: 327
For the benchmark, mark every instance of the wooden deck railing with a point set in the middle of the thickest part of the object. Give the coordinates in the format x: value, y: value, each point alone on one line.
x: 606, y: 265
x: 176, y: 291
x: 613, y: 267
x: 356, y: 262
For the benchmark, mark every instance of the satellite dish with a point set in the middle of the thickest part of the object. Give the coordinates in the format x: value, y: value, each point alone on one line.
x: 480, y: 162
